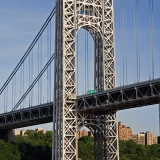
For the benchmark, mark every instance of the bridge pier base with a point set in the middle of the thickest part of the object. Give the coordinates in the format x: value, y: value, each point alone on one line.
x: 7, y: 135
x: 104, y: 129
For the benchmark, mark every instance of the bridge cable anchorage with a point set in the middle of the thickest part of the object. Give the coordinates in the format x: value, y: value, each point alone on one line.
x: 151, y: 35
x: 28, y: 50
x: 34, y: 82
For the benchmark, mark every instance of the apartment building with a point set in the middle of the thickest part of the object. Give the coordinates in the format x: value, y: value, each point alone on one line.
x: 124, y: 133
x: 139, y: 138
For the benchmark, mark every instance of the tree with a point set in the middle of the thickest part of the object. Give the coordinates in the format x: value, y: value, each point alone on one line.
x: 9, y: 151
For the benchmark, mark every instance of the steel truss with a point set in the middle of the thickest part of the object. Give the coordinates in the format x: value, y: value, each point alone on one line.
x: 104, y: 130
x: 96, y: 16
x: 125, y: 97
x: 27, y: 117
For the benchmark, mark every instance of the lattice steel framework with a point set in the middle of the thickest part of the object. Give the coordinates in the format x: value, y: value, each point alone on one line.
x: 96, y: 16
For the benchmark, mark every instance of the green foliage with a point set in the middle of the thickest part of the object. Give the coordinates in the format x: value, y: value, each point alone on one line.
x: 35, y: 145
x: 38, y: 146
x: 9, y: 151
x: 129, y: 150
x: 86, y: 148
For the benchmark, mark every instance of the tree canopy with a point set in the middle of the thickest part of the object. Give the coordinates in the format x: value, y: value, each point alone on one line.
x: 38, y: 146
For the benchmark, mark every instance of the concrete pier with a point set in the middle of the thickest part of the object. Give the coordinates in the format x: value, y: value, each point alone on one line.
x: 7, y: 135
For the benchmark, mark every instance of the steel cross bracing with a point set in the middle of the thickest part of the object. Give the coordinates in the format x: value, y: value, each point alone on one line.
x: 96, y: 16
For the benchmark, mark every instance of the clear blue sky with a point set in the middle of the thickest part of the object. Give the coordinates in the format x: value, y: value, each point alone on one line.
x: 20, y: 21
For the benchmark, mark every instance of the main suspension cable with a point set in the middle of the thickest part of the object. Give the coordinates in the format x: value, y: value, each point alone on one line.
x: 33, y: 83
x: 28, y: 50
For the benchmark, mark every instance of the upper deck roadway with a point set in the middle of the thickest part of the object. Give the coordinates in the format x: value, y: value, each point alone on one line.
x: 125, y: 97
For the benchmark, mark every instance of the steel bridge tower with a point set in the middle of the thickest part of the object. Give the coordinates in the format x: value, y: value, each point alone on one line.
x: 97, y: 17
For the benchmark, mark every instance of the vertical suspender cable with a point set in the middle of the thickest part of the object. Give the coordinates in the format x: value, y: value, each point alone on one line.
x: 32, y: 77
x: 47, y: 60
x: 29, y: 79
x: 85, y: 54
x: 7, y: 98
x: 15, y: 90
x: 137, y: 38
x: 151, y: 39
x: 41, y: 69
x: 121, y: 37
x: 83, y: 64
x: 12, y: 93
x: 38, y: 72
x: 20, y: 84
x: 4, y: 101
x: 125, y: 52
x: 137, y: 56
x: 85, y: 60
x: 87, y: 64
x: 23, y: 84
x: 77, y: 64
x: 50, y: 64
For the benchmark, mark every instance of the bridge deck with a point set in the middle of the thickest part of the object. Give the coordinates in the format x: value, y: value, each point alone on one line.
x: 27, y: 117
x: 125, y: 97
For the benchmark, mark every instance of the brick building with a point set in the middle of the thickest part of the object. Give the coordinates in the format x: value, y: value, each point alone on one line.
x: 83, y: 132
x: 139, y: 138
x: 124, y: 133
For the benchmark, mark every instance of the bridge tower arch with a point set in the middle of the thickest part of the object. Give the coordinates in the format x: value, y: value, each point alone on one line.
x: 97, y: 16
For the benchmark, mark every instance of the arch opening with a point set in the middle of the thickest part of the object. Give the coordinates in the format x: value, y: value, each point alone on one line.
x: 85, y: 61
x: 91, y: 136
x: 87, y: 41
